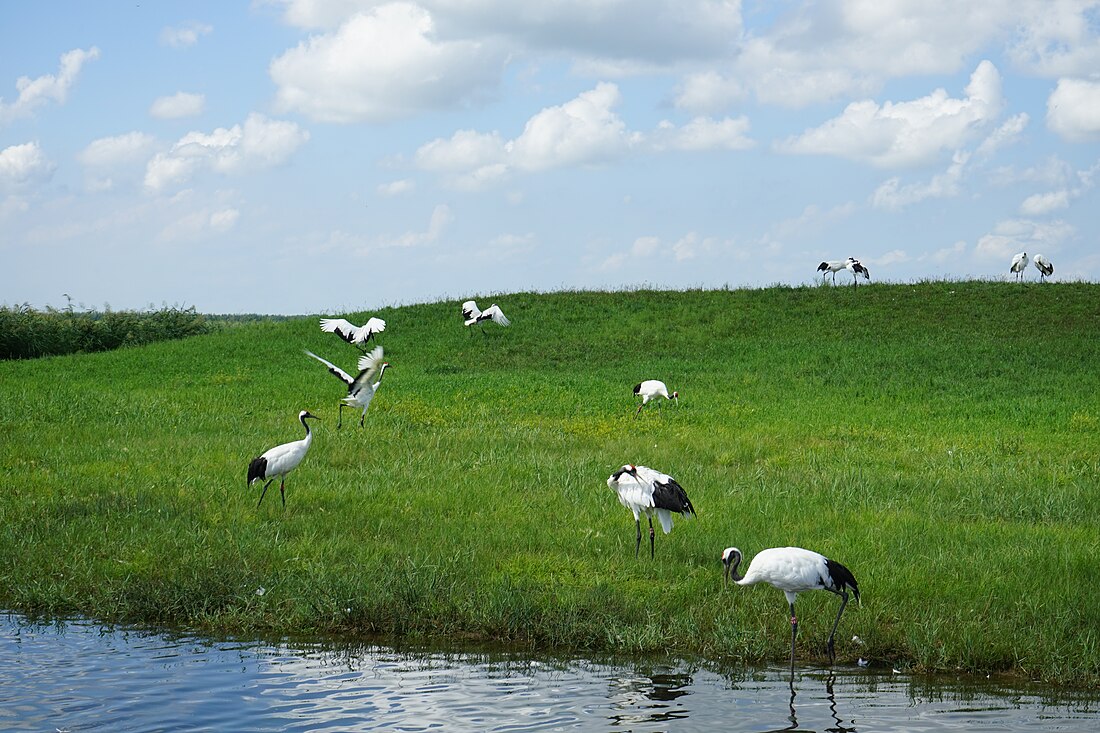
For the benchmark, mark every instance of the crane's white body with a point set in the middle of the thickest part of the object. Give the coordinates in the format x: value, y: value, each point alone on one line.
x: 361, y: 388
x: 280, y: 460
x: 833, y: 266
x: 857, y: 269
x: 794, y: 570
x: 651, y: 388
x: 471, y: 314
x: 351, y: 333
x: 1042, y: 264
x: 1019, y: 264
x: 644, y: 490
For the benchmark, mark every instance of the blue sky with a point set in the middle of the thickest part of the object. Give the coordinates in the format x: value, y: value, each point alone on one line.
x: 323, y: 156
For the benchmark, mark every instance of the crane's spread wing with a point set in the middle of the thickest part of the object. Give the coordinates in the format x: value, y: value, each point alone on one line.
x: 470, y: 312
x: 371, y: 327
x: 341, y: 327
x: 335, y: 370
x: 369, y: 365
x: 496, y: 314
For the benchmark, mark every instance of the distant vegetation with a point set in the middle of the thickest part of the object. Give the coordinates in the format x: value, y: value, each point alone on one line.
x: 26, y: 333
x: 940, y: 439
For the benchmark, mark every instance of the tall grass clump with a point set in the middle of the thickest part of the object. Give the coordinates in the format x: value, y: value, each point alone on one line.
x: 919, y: 434
x: 27, y: 333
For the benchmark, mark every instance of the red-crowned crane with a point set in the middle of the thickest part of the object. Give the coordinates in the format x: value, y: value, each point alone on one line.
x: 651, y: 388
x: 471, y: 314
x: 857, y: 269
x: 1043, y: 265
x: 281, y: 460
x: 794, y: 570
x: 1019, y: 264
x: 643, y: 490
x: 833, y: 266
x: 361, y: 388
x: 354, y: 335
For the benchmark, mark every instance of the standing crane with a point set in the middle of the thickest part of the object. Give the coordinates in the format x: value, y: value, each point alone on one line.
x: 857, y: 269
x: 644, y: 490
x: 362, y: 387
x: 1043, y: 265
x: 280, y: 460
x: 794, y: 570
x: 651, y: 388
x: 1019, y: 264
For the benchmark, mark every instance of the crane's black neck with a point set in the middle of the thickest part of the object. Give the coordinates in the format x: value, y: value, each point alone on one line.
x: 302, y: 419
x: 732, y: 564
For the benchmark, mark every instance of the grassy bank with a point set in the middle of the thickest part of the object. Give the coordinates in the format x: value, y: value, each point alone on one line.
x: 942, y: 440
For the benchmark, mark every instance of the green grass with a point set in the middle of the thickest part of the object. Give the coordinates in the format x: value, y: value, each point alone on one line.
x: 940, y: 439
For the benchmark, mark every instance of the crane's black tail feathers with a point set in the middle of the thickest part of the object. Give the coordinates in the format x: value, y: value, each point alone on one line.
x: 671, y: 496
x: 842, y: 577
x: 257, y: 469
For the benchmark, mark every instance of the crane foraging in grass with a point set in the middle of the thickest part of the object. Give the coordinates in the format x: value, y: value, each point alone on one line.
x: 643, y: 490
x: 1019, y: 264
x: 833, y: 266
x: 281, y: 460
x: 1043, y: 265
x: 794, y: 570
x: 362, y: 387
x: 651, y: 388
x: 471, y: 314
x: 354, y: 335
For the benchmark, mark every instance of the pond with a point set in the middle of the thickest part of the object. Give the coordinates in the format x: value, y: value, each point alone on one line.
x: 80, y: 676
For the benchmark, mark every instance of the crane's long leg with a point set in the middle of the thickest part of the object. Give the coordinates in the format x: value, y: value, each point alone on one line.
x: 264, y: 492
x: 363, y: 417
x: 282, y: 491
x: 651, y: 538
x: 638, y: 538
x: 340, y: 421
x: 794, y: 633
x: 843, y: 603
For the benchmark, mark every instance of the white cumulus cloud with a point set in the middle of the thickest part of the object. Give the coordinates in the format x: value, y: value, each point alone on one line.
x: 396, y: 188
x: 906, y: 133
x: 1022, y: 235
x: 704, y: 133
x: 1043, y: 203
x: 584, y: 131
x: 257, y: 144
x: 24, y: 164
x: 383, y: 64
x: 116, y: 150
x: 33, y: 93
x: 1073, y: 110
x: 180, y: 104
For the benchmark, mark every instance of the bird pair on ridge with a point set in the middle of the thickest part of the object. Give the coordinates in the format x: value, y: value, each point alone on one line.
x: 851, y: 264
x: 793, y: 570
x: 1042, y: 264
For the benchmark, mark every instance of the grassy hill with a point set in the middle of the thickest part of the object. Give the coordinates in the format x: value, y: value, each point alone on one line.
x: 941, y: 439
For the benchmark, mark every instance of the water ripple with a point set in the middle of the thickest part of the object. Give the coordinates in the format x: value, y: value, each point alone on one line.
x: 79, y: 676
